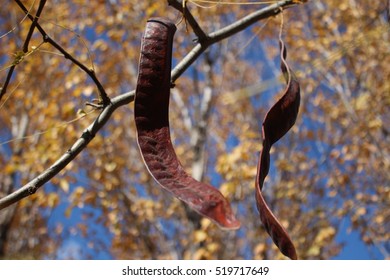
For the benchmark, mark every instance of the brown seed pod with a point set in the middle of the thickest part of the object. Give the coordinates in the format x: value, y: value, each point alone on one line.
x: 151, y: 118
x: 278, y: 121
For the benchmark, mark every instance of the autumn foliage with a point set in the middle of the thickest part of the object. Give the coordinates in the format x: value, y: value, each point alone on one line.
x: 329, y: 175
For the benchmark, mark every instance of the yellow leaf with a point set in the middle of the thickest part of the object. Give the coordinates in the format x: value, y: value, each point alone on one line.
x: 205, y: 223
x: 228, y: 188
x: 284, y: 164
x: 379, y: 219
x: 200, y: 236
x: 109, y: 167
x: 375, y: 124
x: 201, y: 254
x: 64, y: 185
x: 260, y: 249
x: 332, y: 193
x: 325, y: 234
x: 361, y: 211
x: 52, y: 200
x: 152, y: 8
x: 314, y: 251
x: 362, y: 102
x: 213, y: 247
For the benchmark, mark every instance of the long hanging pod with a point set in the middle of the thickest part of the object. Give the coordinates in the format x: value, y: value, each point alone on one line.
x: 151, y: 118
x: 278, y: 121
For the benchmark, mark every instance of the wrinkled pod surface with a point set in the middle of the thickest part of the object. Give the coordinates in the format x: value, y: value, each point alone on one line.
x: 152, y: 123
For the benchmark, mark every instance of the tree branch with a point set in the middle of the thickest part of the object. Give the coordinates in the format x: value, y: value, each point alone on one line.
x: 125, y: 98
x: 228, y: 31
x: 90, y: 72
x: 25, y: 44
x: 33, y: 25
x: 178, y: 5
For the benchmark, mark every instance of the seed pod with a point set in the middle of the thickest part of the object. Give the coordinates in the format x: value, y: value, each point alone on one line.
x: 151, y: 118
x: 278, y: 121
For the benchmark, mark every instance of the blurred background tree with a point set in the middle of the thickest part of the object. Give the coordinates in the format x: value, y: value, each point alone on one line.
x: 329, y: 175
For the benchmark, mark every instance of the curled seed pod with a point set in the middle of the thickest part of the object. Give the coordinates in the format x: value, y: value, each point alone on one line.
x: 151, y: 118
x: 278, y: 121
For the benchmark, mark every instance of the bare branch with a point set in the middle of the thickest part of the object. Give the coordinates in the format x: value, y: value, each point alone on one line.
x: 25, y: 45
x: 102, y: 93
x: 228, y: 31
x: 189, y: 18
x: 86, y: 137
x: 33, y: 25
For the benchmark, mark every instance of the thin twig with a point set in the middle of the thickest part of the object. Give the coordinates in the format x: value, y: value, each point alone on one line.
x: 223, y: 33
x: 33, y: 25
x: 202, y: 36
x: 102, y: 93
x: 25, y: 45
x: 7, y: 80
